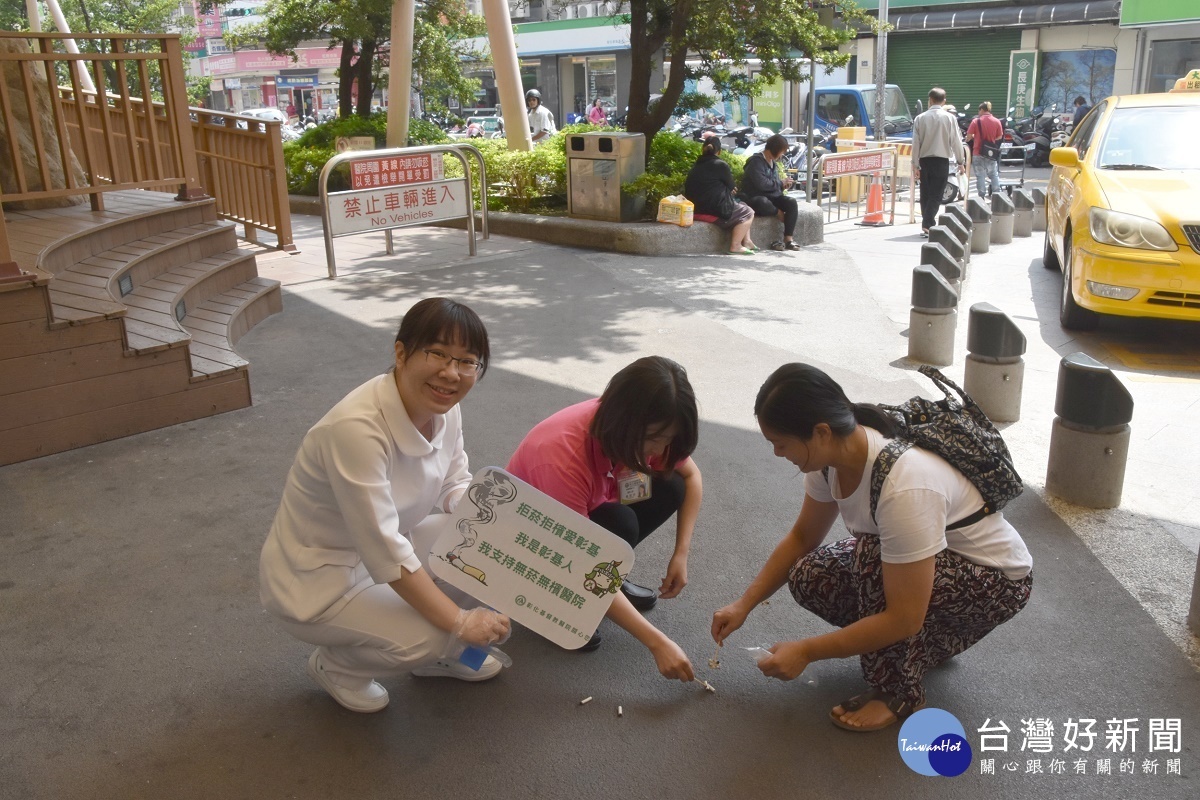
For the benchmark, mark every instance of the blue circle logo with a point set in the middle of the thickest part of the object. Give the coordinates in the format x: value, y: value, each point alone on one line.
x: 933, y: 742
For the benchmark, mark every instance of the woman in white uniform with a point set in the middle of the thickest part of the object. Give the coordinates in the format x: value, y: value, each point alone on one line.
x: 339, y: 568
x: 911, y: 587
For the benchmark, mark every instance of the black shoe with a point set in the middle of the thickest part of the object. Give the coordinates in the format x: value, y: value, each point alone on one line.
x: 591, y: 644
x: 643, y: 599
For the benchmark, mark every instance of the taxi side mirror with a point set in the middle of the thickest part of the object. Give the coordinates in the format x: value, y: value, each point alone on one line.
x: 1064, y: 157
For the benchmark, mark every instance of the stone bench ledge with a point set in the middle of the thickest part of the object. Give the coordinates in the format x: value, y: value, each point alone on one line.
x: 643, y: 238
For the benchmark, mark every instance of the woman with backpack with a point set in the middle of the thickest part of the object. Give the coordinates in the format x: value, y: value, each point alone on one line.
x: 912, y: 586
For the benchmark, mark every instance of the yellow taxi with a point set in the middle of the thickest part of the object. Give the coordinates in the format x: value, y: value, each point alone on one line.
x: 1123, y: 209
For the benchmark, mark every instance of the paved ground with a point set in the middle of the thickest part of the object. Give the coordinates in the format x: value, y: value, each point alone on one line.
x: 139, y: 663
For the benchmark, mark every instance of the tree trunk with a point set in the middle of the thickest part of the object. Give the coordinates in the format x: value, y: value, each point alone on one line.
x: 346, y: 80
x: 647, y: 36
x: 366, y: 86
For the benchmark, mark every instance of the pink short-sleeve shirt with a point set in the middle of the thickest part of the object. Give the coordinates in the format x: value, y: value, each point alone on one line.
x: 560, y: 458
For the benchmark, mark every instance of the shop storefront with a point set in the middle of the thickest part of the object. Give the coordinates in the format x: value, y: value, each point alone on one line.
x: 256, y: 79
x: 1168, y: 34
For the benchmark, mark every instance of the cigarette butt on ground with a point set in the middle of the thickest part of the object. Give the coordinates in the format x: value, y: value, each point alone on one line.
x: 585, y: 701
x: 620, y: 711
x: 707, y: 686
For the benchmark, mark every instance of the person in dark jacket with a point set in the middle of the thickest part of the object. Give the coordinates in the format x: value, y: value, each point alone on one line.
x: 764, y: 190
x: 710, y: 187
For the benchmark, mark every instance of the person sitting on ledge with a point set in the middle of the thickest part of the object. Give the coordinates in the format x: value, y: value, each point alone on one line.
x: 710, y: 187
x: 763, y: 190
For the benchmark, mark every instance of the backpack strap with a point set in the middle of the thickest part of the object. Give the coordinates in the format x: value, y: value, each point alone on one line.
x: 882, y: 468
x: 884, y: 462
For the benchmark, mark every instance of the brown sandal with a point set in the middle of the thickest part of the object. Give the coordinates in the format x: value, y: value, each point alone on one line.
x: 901, y: 710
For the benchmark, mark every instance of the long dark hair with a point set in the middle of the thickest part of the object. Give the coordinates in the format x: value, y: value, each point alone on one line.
x: 439, y: 319
x: 650, y: 395
x: 798, y: 397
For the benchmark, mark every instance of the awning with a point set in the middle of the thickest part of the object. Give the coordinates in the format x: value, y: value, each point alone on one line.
x: 1008, y: 17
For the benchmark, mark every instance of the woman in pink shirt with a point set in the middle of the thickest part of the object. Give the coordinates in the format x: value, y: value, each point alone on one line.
x: 624, y: 461
x: 596, y: 114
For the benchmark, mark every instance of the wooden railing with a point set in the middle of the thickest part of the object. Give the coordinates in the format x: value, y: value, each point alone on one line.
x: 125, y: 141
x: 66, y: 141
x: 62, y: 141
x: 243, y: 168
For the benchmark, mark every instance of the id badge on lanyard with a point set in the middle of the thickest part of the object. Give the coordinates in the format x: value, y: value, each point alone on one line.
x: 633, y: 486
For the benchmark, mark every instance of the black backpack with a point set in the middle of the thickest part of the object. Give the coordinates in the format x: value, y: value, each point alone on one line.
x: 958, y: 431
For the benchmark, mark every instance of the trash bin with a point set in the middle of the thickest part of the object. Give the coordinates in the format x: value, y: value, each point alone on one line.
x: 597, y: 165
x: 851, y: 188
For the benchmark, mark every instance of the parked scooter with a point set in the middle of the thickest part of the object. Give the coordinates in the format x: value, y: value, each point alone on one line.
x: 1041, y: 136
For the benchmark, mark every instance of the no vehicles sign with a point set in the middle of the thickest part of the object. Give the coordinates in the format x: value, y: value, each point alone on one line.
x: 396, y: 207
x: 528, y: 556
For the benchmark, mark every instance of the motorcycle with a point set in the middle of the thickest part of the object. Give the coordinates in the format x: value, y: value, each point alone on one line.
x: 1042, y: 125
x: 797, y: 160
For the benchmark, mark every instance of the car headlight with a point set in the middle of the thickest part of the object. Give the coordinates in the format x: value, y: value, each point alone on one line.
x: 1126, y: 230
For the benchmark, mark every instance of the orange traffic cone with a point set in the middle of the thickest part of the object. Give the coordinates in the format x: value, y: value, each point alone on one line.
x: 874, y: 216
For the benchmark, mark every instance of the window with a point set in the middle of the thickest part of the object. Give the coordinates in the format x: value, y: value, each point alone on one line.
x: 1170, y: 60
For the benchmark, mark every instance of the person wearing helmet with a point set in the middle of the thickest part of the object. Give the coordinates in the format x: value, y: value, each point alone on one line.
x: 541, y: 121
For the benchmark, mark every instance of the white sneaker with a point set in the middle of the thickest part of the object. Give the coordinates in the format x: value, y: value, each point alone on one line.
x: 365, y: 701
x: 490, y: 668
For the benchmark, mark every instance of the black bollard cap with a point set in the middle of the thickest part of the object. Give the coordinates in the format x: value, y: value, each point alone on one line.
x: 1089, y: 394
x: 956, y: 226
x: 978, y: 211
x: 1023, y: 199
x: 938, y: 257
x: 992, y: 334
x: 931, y: 291
x: 961, y: 215
x: 946, y: 238
x: 1002, y: 206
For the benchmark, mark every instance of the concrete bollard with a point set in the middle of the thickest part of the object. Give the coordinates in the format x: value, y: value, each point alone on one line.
x: 960, y: 231
x: 981, y: 230
x: 1002, y: 218
x: 1039, y: 209
x: 936, y: 256
x: 960, y: 213
x: 995, y: 373
x: 950, y: 242
x: 933, y: 318
x: 1089, y: 443
x: 1023, y: 216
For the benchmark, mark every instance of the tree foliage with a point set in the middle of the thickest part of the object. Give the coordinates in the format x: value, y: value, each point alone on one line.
x: 362, y: 28
x: 718, y: 39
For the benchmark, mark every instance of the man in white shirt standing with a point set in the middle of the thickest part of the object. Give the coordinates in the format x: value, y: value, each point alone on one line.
x: 936, y: 139
x: 541, y: 121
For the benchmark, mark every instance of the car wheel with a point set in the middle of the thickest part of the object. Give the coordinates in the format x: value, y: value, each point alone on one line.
x: 1070, y: 315
x: 1049, y: 257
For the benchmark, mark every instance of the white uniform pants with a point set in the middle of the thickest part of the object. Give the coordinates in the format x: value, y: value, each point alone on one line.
x: 377, y: 634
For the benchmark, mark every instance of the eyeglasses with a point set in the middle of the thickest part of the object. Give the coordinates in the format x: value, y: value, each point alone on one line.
x: 466, y: 366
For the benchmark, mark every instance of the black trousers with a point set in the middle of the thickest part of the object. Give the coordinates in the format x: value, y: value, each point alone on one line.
x: 934, y: 174
x: 636, y: 521
x: 770, y: 206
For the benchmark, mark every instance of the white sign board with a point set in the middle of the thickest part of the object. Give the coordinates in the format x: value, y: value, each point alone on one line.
x: 396, y: 207
x: 527, y: 555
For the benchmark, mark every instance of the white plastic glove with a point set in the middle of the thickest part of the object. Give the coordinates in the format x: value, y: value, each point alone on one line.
x: 481, y: 627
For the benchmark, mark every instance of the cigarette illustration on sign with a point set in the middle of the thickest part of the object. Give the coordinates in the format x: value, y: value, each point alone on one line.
x: 496, y: 489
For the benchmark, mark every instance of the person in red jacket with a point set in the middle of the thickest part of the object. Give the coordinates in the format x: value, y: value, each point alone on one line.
x: 983, y: 131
